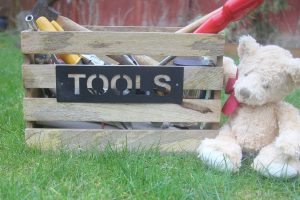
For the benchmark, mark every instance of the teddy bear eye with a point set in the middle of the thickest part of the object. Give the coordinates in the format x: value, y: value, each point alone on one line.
x: 247, y: 73
x: 266, y: 86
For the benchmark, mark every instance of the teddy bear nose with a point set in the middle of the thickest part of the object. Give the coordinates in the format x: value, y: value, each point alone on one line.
x: 245, y: 93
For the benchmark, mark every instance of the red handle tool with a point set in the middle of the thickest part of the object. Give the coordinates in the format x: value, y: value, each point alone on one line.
x: 232, y: 10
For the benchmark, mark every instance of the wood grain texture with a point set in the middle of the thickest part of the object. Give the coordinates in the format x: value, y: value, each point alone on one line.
x: 48, y: 109
x: 197, y: 23
x: 28, y: 92
x: 119, y: 43
x: 69, y: 25
x: 202, y: 78
x: 107, y: 59
x: 145, y: 60
x: 78, y: 139
x: 133, y: 28
x: 187, y: 29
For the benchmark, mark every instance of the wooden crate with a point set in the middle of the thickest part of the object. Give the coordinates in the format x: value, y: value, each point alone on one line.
x: 118, y: 41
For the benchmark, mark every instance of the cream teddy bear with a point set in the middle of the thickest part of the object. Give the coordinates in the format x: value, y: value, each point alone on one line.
x: 262, y: 123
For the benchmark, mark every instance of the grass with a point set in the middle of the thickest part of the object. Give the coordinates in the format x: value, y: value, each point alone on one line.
x: 144, y: 174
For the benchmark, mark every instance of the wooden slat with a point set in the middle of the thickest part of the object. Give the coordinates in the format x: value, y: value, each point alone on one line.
x: 118, y: 43
x: 133, y: 28
x: 217, y: 94
x: 39, y: 76
x: 192, y: 110
x: 28, y: 92
x: 202, y: 78
x: 166, y: 140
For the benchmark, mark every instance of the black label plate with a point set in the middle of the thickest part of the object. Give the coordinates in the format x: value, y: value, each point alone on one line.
x: 119, y: 84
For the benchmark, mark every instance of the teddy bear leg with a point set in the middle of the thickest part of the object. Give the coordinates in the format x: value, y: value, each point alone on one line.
x: 223, y: 153
x: 272, y: 162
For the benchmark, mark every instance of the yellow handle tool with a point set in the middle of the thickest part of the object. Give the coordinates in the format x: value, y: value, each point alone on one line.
x: 45, y: 25
x: 57, y: 26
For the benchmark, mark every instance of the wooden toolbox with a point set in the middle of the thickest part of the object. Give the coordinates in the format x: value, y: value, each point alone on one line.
x: 155, y: 42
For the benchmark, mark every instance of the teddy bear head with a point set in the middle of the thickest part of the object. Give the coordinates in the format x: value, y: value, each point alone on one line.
x: 266, y: 74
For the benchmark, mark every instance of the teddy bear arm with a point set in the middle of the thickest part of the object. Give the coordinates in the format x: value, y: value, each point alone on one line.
x: 288, y: 139
x: 230, y: 69
x: 223, y: 152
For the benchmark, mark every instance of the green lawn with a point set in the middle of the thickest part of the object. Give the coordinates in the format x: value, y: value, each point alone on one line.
x: 34, y: 174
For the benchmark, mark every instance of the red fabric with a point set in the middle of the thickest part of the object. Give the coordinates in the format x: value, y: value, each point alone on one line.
x: 232, y: 103
x: 229, y: 86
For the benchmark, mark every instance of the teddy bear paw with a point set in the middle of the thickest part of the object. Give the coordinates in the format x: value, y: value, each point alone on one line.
x: 288, y: 144
x: 216, y: 159
x: 275, y: 169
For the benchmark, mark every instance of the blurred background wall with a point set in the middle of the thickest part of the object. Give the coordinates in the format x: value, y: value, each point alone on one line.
x: 285, y: 23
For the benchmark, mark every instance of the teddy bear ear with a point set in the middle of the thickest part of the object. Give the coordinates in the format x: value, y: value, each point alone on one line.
x: 294, y: 71
x: 247, y: 46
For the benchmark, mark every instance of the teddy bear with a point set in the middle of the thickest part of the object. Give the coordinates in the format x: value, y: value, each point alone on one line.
x: 260, y: 123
